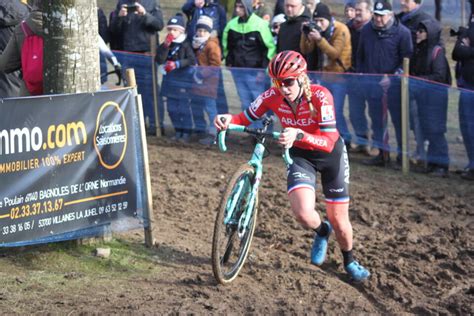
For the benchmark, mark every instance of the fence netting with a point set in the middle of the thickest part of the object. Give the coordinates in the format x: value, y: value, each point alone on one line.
x: 367, y: 111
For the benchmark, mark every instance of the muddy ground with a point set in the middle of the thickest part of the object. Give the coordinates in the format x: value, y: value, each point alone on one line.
x: 413, y: 232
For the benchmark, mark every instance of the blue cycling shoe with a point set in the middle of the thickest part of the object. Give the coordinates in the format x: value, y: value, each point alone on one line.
x: 356, y: 271
x: 320, y: 247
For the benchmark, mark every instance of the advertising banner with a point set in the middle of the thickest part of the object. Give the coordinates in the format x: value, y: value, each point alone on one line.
x: 70, y: 165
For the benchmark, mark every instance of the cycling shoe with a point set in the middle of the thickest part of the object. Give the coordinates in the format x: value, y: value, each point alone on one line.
x: 356, y: 271
x: 320, y: 247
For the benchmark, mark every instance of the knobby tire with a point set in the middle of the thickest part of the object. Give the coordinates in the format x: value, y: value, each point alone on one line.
x: 220, y: 260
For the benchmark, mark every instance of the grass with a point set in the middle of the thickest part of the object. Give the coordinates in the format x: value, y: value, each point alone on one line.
x: 68, y: 259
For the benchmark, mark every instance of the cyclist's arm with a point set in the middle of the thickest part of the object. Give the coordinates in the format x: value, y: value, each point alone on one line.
x: 322, y: 142
x: 325, y: 136
x: 254, y: 111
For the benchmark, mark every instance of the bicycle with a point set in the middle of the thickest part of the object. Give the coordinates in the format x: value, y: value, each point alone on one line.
x: 237, y: 213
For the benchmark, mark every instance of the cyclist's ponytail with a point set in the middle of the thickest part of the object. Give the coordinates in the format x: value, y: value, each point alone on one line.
x: 307, y: 93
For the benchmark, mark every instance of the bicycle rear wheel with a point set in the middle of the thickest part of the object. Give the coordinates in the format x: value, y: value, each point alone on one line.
x: 229, y: 250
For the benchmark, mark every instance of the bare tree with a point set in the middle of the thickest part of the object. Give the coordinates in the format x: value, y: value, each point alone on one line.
x: 71, y: 55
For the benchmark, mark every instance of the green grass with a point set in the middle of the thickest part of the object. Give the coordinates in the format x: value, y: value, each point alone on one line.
x: 67, y: 258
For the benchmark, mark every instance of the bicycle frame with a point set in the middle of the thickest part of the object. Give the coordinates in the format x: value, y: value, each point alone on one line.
x: 256, y: 162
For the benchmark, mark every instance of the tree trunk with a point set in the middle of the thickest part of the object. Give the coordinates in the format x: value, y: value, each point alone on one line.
x: 71, y: 54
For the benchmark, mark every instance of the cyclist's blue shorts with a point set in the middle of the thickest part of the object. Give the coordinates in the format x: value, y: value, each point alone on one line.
x: 334, y: 169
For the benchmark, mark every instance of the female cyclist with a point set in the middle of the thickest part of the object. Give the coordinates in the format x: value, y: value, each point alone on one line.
x: 306, y: 113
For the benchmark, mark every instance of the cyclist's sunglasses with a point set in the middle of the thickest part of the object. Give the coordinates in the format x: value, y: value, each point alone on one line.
x: 288, y: 82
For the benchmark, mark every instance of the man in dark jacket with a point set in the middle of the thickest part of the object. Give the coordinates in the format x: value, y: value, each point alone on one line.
x: 430, y: 63
x: 382, y: 46
x: 290, y: 31
x: 355, y: 92
x: 196, y: 8
x: 248, y: 43
x: 411, y: 16
x: 13, y: 12
x: 463, y: 53
x: 133, y: 23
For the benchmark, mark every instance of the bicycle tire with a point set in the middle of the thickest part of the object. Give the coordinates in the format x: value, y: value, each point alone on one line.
x: 226, y: 265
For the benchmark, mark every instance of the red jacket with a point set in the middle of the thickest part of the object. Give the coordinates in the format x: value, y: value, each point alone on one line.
x: 320, y: 131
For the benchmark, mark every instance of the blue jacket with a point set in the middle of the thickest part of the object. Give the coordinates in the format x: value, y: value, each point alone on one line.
x: 382, y: 52
x: 211, y: 9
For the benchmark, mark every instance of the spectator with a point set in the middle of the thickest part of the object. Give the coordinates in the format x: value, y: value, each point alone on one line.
x: 290, y: 31
x: 175, y: 55
x: 349, y: 10
x: 208, y: 55
x: 275, y: 25
x: 430, y: 63
x: 248, y: 43
x: 196, y: 8
x: 13, y: 12
x: 103, y: 26
x: 133, y: 23
x: 262, y: 10
x: 355, y: 89
x: 330, y: 44
x: 463, y: 53
x: 382, y: 46
x: 193, y: 10
x: 10, y: 60
x: 311, y: 5
x: 411, y: 16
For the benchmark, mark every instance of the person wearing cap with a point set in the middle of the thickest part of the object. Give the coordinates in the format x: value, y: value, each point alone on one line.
x: 248, y: 43
x: 204, y: 91
x: 308, y: 119
x: 383, y: 45
x: 430, y: 63
x: 175, y: 55
x: 330, y: 45
x: 290, y: 31
x: 275, y: 25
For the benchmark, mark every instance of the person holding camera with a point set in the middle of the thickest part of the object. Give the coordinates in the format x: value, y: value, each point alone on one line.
x: 133, y: 23
x: 329, y: 41
x: 463, y: 53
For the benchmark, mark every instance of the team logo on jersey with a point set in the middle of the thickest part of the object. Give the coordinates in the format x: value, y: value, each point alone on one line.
x: 283, y: 108
x: 327, y: 113
x: 256, y: 104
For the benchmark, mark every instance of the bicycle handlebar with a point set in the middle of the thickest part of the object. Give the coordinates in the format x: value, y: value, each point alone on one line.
x: 241, y: 128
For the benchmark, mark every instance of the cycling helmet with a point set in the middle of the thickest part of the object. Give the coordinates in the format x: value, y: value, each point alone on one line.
x: 287, y: 64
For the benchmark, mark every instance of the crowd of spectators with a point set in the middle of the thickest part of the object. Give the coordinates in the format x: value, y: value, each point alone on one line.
x: 369, y: 39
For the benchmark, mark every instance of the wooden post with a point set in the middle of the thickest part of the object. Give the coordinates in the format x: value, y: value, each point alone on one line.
x: 405, y: 103
x: 463, y: 13
x: 149, y: 239
x: 153, y: 43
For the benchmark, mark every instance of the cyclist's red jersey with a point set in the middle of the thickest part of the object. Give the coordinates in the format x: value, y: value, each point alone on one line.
x: 320, y: 131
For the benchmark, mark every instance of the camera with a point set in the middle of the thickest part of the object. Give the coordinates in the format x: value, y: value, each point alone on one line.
x: 131, y: 8
x: 307, y: 28
x: 460, y: 31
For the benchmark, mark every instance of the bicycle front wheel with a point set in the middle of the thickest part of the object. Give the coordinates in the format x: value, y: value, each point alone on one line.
x: 231, y: 241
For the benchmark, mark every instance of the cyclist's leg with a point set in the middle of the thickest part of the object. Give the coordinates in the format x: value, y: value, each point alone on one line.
x: 335, y: 183
x: 301, y: 192
x: 302, y: 205
x: 338, y: 215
